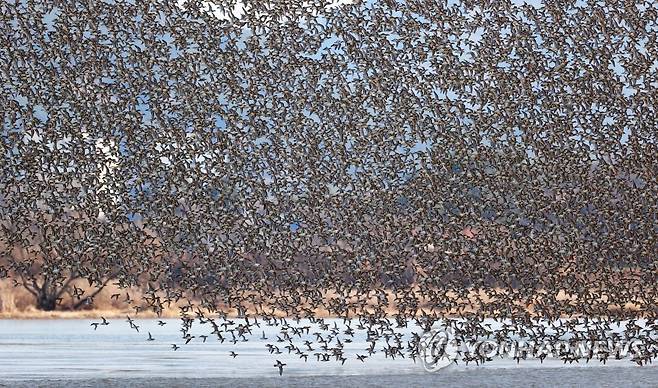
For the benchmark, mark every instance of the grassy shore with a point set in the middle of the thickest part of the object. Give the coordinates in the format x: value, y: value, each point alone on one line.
x: 18, y: 303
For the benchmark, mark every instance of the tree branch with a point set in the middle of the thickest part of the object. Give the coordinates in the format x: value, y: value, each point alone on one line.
x: 65, y: 286
x: 99, y: 289
x: 33, y: 291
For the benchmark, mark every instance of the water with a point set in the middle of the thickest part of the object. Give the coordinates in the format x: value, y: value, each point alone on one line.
x: 58, y: 352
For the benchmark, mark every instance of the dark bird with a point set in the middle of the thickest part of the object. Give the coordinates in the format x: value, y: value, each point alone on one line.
x: 279, y: 365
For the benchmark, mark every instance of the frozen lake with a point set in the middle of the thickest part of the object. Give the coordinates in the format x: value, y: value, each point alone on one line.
x: 59, y: 351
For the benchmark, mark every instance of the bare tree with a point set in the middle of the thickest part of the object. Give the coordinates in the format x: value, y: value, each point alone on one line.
x: 50, y: 261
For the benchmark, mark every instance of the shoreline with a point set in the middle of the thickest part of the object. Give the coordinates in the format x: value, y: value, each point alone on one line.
x: 475, y: 300
x: 91, y: 314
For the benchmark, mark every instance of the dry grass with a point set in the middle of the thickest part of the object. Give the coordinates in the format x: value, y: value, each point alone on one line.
x: 13, y: 300
x: 17, y: 303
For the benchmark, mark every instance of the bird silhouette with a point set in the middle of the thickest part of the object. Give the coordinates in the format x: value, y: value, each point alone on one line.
x: 279, y: 365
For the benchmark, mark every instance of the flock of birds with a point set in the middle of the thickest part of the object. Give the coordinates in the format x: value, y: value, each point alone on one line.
x: 383, y: 161
x: 474, y: 341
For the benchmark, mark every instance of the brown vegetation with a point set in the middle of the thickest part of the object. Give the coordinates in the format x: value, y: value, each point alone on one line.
x: 17, y: 303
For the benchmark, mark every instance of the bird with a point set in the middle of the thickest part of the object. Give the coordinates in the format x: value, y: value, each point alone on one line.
x: 279, y: 365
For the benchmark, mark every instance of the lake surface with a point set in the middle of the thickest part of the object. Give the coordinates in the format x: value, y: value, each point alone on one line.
x: 63, y: 352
